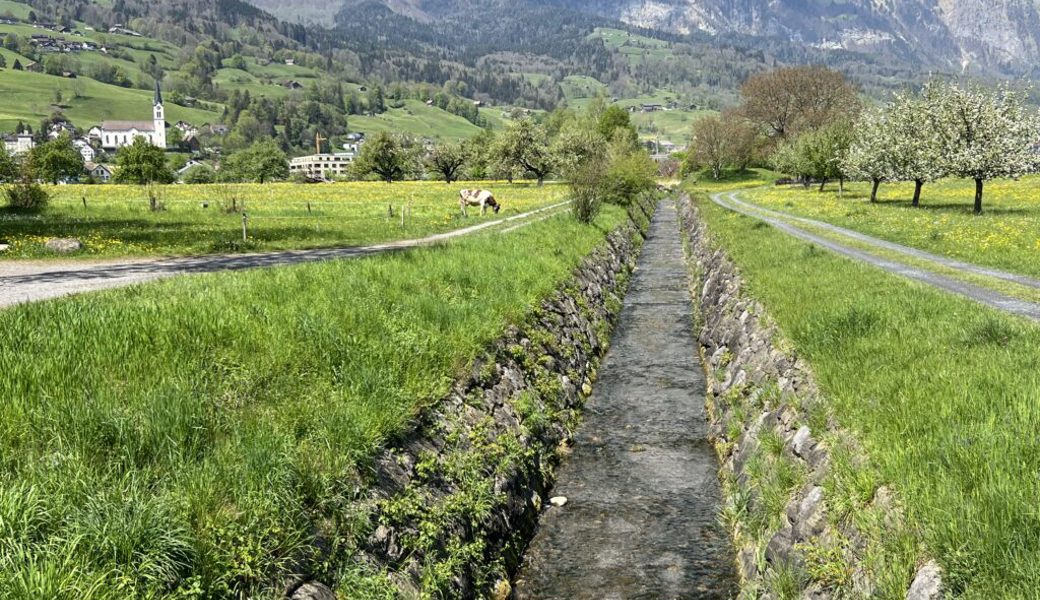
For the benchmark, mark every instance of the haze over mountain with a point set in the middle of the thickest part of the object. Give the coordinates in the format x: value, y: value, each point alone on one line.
x: 946, y: 34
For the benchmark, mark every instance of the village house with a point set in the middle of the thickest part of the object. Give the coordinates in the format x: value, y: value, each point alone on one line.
x: 98, y: 172
x: 18, y: 143
x: 187, y: 129
x: 85, y: 149
x: 117, y: 134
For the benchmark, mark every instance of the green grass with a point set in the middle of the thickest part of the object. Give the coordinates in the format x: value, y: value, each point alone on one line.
x: 418, y: 119
x: 18, y: 10
x: 28, y: 98
x: 941, y: 391
x: 1006, y: 236
x: 194, y: 438
x: 117, y: 220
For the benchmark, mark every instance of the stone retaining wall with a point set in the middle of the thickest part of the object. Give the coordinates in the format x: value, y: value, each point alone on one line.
x: 451, y: 506
x: 799, y: 531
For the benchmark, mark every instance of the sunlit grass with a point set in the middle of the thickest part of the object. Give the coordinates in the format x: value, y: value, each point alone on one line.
x: 115, y: 220
x: 1006, y: 235
x: 202, y: 436
x: 943, y: 392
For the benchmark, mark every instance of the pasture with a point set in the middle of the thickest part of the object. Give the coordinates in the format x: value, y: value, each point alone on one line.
x: 116, y: 220
x: 1006, y: 235
x: 942, y: 392
x: 193, y: 438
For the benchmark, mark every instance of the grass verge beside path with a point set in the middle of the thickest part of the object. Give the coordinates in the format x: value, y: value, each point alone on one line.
x: 192, y: 438
x: 1005, y: 236
x: 942, y: 392
x: 116, y: 220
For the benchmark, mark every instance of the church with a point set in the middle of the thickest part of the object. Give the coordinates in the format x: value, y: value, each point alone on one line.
x: 116, y: 134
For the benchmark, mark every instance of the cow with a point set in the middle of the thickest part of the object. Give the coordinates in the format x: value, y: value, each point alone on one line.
x: 481, y: 198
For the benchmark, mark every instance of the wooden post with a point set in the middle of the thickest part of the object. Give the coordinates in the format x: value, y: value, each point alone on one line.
x: 308, y: 207
x: 245, y: 231
x: 390, y: 211
x: 84, y: 201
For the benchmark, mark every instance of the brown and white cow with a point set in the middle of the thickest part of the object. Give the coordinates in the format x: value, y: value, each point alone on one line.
x: 481, y: 198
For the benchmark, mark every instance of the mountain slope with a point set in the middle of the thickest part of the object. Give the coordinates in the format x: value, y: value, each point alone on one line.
x: 952, y: 33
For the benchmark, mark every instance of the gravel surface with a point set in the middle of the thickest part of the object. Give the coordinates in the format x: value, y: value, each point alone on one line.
x: 980, y: 294
x: 38, y: 280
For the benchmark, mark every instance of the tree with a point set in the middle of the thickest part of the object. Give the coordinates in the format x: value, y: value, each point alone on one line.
x: 870, y: 156
x: 199, y: 174
x: 17, y: 65
x: 141, y: 163
x: 389, y: 157
x: 56, y: 160
x: 710, y: 145
x: 524, y: 145
x: 614, y: 121
x: 576, y: 146
x: 825, y: 152
x: 8, y: 166
x: 262, y: 162
x: 789, y: 101
x: 914, y: 141
x: 984, y: 134
x: 3, y: 62
x: 447, y: 159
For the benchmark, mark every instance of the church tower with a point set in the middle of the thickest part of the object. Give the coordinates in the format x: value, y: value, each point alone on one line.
x: 159, y: 118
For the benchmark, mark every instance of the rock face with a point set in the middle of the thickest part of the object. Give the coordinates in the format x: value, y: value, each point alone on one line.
x: 64, y: 245
x: 313, y: 591
x: 940, y: 32
x: 761, y: 402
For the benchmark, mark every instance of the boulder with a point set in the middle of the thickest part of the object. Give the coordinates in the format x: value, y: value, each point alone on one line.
x: 927, y: 584
x: 312, y: 590
x: 64, y: 245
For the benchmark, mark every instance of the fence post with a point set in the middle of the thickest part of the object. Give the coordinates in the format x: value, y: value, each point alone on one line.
x: 245, y: 232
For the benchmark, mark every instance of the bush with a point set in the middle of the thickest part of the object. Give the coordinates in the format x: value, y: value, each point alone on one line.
x: 629, y: 176
x: 26, y: 195
x: 587, y: 190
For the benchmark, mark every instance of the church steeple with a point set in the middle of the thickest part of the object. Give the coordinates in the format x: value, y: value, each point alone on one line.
x: 158, y: 118
x: 158, y: 94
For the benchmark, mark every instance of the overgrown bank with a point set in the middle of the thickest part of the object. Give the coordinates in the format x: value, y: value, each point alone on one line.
x: 214, y: 436
x: 801, y: 500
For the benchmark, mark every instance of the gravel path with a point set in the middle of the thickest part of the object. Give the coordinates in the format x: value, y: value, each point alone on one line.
x: 980, y: 294
x: 642, y: 490
x: 32, y: 281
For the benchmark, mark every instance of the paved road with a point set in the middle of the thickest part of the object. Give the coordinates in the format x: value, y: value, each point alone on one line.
x: 32, y: 281
x: 980, y: 294
x: 642, y: 487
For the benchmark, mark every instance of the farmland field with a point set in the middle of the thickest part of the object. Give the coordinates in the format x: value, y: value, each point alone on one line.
x: 1006, y: 235
x: 941, y: 391
x: 117, y: 220
x: 192, y: 438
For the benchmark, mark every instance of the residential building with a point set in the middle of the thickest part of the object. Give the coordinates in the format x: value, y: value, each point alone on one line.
x: 85, y: 150
x: 98, y: 172
x: 322, y: 166
x: 18, y: 143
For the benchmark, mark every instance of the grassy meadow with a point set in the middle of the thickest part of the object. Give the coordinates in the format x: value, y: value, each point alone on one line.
x: 117, y: 221
x: 943, y: 393
x: 196, y: 438
x: 1006, y: 235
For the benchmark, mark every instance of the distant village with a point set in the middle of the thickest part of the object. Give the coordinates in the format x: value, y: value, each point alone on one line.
x: 99, y: 144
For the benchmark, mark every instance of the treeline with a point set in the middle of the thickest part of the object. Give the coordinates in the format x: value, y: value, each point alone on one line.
x: 810, y: 123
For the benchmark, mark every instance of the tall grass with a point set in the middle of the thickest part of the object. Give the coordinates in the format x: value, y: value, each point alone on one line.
x: 942, y: 392
x: 195, y: 437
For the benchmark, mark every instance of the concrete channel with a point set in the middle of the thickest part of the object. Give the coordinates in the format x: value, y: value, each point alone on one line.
x: 641, y: 486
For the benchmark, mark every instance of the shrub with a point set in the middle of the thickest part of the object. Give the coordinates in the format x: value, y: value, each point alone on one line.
x: 587, y: 190
x: 26, y: 195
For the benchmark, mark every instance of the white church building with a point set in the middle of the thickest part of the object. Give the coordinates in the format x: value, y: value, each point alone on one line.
x: 116, y: 134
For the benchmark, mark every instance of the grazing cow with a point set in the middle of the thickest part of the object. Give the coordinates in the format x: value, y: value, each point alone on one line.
x: 481, y: 198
